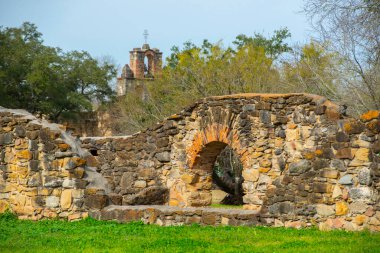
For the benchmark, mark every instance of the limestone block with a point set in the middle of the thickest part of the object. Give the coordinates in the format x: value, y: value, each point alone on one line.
x: 330, y: 173
x: 362, y: 154
x: 252, y: 199
x: 6, y: 138
x: 353, y: 127
x: 52, y: 182
x: 74, y: 216
x: 325, y: 210
x: 338, y: 164
x: 66, y: 199
x: 320, y: 187
x: 140, y: 184
x: 217, y: 196
x: 364, y: 176
x: 292, y: 134
x: 358, y: 207
x: 341, y: 208
x: 52, y: 201
x: 360, y: 219
x: 163, y: 156
x: 346, y: 180
x: 362, y: 193
x: 370, y: 115
x: 305, y: 132
x: 250, y: 175
x: 127, y: 180
x: 299, y: 167
x: 96, y: 201
x: 265, y: 163
x: 153, y: 195
x: 35, y: 180
x: 337, y: 192
x: 24, y: 154
x: 361, y: 143
x: 189, y: 178
x: 147, y: 173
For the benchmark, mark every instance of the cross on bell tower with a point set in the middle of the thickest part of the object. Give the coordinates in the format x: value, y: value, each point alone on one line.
x: 146, y: 34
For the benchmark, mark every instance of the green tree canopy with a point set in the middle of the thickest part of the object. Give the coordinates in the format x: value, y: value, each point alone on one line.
x: 43, y: 79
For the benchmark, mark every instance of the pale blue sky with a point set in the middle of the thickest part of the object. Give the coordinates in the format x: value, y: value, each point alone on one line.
x: 113, y: 27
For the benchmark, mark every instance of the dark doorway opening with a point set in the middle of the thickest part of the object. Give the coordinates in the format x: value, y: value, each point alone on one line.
x: 227, y: 177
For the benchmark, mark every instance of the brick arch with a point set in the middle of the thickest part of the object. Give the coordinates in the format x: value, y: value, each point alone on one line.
x: 210, y: 141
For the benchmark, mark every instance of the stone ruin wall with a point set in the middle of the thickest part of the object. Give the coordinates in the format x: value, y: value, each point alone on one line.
x: 305, y: 163
x: 43, y: 171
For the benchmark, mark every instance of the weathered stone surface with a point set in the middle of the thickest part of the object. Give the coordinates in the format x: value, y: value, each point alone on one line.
x: 20, y: 131
x: 96, y: 201
x: 370, y: 115
x: 325, y: 210
x: 6, y: 138
x: 53, y: 182
x: 344, y: 153
x: 353, y: 127
x: 299, y: 167
x: 330, y: 173
x: 140, y: 184
x: 163, y: 157
x: 362, y: 193
x: 189, y: 178
x: 127, y: 180
x: 358, y: 207
x: 337, y: 192
x: 341, y: 208
x: 322, y: 187
x: 338, y: 164
x: 155, y: 195
x: 364, y: 176
x: 66, y: 199
x: 251, y: 175
x: 52, y: 201
x: 295, y: 149
x: 362, y: 154
x: 346, y: 180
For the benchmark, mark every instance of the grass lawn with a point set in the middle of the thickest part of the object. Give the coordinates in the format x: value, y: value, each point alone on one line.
x: 226, y: 206
x: 98, y: 236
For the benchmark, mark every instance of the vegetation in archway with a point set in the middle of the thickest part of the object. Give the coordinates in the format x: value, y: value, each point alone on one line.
x: 227, y: 175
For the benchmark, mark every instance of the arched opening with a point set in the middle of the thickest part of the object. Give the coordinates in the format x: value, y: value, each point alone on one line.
x: 227, y: 177
x: 220, y: 162
x: 148, y: 66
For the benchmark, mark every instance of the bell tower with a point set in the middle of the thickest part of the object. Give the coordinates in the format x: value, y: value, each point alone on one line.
x: 145, y: 64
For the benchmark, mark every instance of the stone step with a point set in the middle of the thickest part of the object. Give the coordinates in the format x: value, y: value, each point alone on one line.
x: 170, y: 215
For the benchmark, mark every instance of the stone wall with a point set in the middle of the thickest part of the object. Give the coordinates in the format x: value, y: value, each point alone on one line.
x: 43, y: 173
x: 304, y: 161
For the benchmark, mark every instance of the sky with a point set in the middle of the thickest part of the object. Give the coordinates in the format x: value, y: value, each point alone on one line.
x: 112, y: 28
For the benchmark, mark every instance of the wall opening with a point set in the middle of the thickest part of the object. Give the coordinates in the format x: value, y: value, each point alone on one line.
x: 227, y: 178
x: 220, y: 161
x: 148, y: 66
x: 94, y: 152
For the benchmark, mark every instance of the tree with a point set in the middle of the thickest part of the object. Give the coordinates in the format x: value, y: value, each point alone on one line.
x: 312, y: 69
x: 352, y: 28
x: 274, y: 46
x: 46, y: 80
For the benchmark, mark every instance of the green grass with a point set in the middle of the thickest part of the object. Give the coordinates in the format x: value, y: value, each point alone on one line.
x: 98, y: 236
x: 226, y: 206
